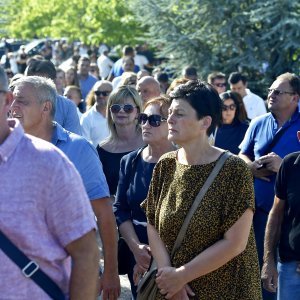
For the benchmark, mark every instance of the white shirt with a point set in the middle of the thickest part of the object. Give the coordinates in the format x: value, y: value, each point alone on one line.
x: 104, y: 64
x: 254, y: 105
x: 94, y: 126
x: 141, y: 60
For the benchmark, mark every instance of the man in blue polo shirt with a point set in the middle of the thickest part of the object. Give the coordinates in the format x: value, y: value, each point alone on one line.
x: 34, y: 105
x: 264, y: 156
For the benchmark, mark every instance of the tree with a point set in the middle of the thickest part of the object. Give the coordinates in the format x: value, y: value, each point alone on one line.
x: 228, y: 36
x: 91, y: 21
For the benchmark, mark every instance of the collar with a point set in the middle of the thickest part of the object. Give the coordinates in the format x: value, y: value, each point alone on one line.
x: 10, y: 144
x: 297, y: 161
x: 59, y: 134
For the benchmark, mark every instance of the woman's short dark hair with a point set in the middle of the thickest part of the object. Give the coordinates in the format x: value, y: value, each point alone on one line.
x: 240, y: 113
x: 203, y: 98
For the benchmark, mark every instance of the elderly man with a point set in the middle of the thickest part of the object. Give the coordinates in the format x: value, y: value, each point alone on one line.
x: 94, y: 122
x: 284, y: 227
x: 45, y: 213
x: 268, y: 139
x: 34, y: 106
x: 65, y: 113
x: 148, y: 88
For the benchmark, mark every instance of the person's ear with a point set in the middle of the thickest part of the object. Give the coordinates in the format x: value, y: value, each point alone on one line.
x: 206, y: 122
x: 47, y: 106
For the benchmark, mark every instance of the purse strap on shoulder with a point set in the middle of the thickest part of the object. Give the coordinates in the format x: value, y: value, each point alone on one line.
x: 198, y: 199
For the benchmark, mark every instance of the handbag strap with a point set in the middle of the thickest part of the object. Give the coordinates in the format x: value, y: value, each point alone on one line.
x: 275, y: 140
x: 199, y: 198
x: 30, y: 268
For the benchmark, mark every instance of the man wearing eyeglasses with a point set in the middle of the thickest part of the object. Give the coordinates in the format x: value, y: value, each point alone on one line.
x: 218, y: 81
x: 93, y: 122
x: 268, y: 139
x: 254, y: 105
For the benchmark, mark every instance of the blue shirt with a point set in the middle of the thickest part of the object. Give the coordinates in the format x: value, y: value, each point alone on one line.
x: 66, y: 114
x: 258, y: 136
x: 117, y: 69
x: 85, y: 158
x: 86, y: 85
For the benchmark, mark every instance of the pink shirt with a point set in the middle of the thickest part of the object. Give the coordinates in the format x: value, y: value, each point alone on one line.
x: 43, y: 207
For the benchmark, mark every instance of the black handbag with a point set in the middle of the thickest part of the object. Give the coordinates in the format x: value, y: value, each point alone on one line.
x: 147, y: 287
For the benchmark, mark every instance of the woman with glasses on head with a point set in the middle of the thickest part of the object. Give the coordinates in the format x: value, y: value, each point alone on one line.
x: 123, y: 107
x: 93, y: 121
x: 234, y: 125
x: 217, y: 256
x: 135, y: 175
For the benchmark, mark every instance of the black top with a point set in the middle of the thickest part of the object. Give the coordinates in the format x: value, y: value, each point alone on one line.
x: 287, y: 188
x: 229, y: 136
x: 111, y: 167
x: 134, y: 181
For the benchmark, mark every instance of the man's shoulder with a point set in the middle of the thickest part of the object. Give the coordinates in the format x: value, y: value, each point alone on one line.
x: 253, y: 96
x: 260, y: 121
x: 291, y: 158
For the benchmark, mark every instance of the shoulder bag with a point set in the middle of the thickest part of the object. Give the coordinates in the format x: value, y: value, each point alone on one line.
x: 147, y: 287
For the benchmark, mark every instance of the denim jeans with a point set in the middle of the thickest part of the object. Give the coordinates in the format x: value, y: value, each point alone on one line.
x: 288, y: 282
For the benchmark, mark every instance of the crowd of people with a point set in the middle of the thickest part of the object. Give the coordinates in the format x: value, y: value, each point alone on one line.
x: 116, y: 147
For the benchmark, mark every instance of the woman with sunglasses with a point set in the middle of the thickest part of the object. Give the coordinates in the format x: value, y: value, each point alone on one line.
x: 217, y: 257
x: 135, y: 175
x: 123, y: 107
x: 234, y: 125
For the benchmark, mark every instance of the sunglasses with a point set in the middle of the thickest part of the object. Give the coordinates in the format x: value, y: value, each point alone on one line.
x: 154, y: 120
x: 229, y: 107
x: 220, y: 85
x: 128, y: 108
x: 278, y: 92
x: 103, y: 93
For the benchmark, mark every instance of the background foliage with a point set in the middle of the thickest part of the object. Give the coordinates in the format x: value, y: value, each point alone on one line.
x: 258, y: 37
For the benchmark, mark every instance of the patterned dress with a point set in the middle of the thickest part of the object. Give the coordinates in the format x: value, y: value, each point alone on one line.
x: 172, y: 191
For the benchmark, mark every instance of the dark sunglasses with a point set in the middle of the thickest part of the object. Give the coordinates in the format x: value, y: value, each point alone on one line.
x: 103, y: 93
x: 279, y: 92
x: 220, y: 84
x: 128, y: 108
x: 229, y: 107
x: 154, y: 120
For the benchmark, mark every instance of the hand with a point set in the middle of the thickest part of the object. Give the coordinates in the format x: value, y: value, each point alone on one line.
x: 269, y: 276
x: 170, y: 281
x: 110, y: 286
x: 272, y: 161
x: 137, y: 274
x: 142, y: 256
x: 183, y: 294
x: 258, y: 172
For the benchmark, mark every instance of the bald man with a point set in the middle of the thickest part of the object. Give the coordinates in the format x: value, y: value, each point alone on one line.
x: 148, y: 88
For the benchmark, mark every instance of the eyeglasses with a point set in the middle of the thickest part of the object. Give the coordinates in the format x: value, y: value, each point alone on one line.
x: 103, y: 93
x: 154, y: 120
x: 220, y: 84
x: 279, y: 92
x: 229, y: 107
x: 128, y: 108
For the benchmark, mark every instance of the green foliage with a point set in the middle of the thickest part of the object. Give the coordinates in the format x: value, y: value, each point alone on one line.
x: 91, y: 21
x: 225, y: 35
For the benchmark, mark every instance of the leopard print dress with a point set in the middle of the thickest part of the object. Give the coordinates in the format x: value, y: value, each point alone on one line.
x: 172, y: 191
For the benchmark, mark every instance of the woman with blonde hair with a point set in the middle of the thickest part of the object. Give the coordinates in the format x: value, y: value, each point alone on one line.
x: 123, y: 108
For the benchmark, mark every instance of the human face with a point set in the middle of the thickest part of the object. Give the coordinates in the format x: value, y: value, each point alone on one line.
x: 228, y: 114
x: 60, y: 80
x: 122, y: 118
x: 103, y: 90
x: 72, y: 95
x: 146, y: 91
x: 219, y: 85
x: 184, y: 126
x: 239, y: 88
x: 281, y: 102
x: 70, y: 75
x: 154, y: 135
x: 84, y: 67
x: 128, y: 65
x: 26, y: 108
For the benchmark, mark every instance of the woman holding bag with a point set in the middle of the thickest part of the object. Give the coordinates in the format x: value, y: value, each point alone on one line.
x: 134, y: 179
x: 216, y: 258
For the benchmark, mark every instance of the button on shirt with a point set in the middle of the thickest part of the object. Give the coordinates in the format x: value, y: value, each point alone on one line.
x: 85, y: 158
x: 258, y: 136
x: 43, y: 208
x: 94, y: 126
